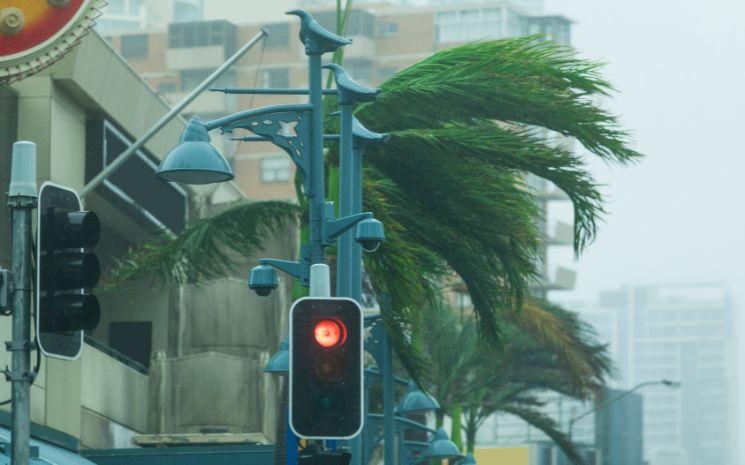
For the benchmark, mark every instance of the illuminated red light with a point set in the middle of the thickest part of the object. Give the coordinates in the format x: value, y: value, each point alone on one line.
x: 329, y: 333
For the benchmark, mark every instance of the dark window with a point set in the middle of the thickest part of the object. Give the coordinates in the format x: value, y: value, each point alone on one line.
x: 359, y: 69
x: 387, y: 29
x: 133, y: 188
x: 385, y: 73
x: 279, y: 35
x: 167, y: 87
x: 277, y: 77
x: 202, y: 34
x: 135, y: 46
x: 133, y: 339
x: 186, y: 11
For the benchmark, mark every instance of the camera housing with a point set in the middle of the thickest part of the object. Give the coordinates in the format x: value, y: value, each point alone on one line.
x: 370, y: 234
x: 263, y: 280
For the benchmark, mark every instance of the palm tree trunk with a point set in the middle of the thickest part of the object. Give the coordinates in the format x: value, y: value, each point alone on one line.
x: 280, y: 441
x: 439, y: 418
x: 455, y: 436
x: 471, y: 429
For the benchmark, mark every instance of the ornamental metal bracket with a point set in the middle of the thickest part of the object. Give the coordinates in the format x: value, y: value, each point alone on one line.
x: 286, y: 126
x: 332, y: 228
x: 298, y: 269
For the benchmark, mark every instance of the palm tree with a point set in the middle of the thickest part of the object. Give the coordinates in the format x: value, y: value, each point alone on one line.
x: 470, y: 377
x: 450, y: 183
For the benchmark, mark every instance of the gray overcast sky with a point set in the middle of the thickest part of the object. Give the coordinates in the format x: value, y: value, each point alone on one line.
x: 678, y: 215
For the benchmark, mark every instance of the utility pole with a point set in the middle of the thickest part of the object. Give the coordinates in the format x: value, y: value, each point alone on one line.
x: 22, y: 198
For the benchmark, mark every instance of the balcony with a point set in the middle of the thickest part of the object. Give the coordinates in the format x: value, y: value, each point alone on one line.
x: 562, y: 235
x: 207, y: 57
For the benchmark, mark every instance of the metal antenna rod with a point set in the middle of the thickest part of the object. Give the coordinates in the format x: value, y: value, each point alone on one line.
x: 127, y: 154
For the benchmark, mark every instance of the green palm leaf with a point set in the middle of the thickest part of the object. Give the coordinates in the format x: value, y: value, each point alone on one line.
x: 207, y: 248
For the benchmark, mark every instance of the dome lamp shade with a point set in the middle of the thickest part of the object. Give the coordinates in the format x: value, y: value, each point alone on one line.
x: 195, y: 160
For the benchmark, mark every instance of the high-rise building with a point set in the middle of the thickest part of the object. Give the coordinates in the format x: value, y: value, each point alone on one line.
x: 134, y: 15
x: 681, y: 333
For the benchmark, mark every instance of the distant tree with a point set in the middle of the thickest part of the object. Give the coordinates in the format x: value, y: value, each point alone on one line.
x: 546, y: 349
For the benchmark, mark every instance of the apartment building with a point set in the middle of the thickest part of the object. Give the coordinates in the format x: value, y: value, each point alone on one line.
x: 681, y: 332
x: 127, y: 15
x: 164, y: 359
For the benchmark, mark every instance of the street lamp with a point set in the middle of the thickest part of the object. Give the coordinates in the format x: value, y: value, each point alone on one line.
x: 441, y: 447
x: 662, y: 382
x: 415, y: 401
x: 279, y: 364
x: 195, y: 160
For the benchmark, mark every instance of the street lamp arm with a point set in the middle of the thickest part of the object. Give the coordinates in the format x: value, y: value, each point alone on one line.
x: 235, y: 117
x: 619, y: 397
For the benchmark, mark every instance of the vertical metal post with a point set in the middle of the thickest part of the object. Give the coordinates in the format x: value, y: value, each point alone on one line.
x: 356, y: 262
x: 344, y: 263
x: 389, y: 422
x: 21, y: 201
x: 317, y: 193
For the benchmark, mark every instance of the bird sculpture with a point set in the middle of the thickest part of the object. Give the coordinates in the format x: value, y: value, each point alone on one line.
x: 317, y: 39
x: 364, y: 136
x: 349, y: 88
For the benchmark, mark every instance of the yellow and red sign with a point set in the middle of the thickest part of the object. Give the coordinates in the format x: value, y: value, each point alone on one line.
x: 36, y: 33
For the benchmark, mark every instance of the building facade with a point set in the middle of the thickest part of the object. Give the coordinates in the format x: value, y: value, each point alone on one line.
x: 164, y: 359
x: 681, y: 333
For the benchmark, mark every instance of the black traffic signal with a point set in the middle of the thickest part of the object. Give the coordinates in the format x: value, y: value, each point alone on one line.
x: 66, y: 271
x: 326, y: 367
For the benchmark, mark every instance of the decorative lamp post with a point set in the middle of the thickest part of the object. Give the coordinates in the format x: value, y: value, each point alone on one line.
x: 416, y: 401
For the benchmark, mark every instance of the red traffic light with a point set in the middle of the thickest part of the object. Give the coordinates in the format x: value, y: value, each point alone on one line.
x: 329, y: 333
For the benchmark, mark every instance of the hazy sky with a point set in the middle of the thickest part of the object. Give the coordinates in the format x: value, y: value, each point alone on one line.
x: 679, y: 214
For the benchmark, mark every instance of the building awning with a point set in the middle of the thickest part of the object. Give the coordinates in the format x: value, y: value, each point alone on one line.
x: 244, y: 454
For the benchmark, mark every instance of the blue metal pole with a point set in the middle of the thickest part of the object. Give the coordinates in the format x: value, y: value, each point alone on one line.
x: 344, y: 264
x: 316, y: 196
x: 356, y: 262
x: 389, y: 421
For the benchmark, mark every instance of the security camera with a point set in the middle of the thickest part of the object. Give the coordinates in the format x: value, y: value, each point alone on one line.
x: 263, y: 280
x: 370, y: 234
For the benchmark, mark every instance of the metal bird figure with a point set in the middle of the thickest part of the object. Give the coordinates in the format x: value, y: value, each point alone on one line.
x: 349, y: 88
x: 364, y: 136
x: 317, y: 39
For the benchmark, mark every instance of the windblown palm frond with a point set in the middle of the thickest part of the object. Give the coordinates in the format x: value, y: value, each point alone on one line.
x: 203, y: 250
x: 522, y: 80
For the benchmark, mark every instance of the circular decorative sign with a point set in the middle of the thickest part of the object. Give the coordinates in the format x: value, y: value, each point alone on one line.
x: 36, y: 33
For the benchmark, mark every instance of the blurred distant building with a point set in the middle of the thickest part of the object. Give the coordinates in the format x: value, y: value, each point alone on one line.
x: 133, y: 15
x: 682, y: 333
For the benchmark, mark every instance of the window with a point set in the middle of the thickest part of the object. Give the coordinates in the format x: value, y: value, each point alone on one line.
x: 279, y: 35
x: 184, y: 11
x: 167, y: 87
x: 202, y: 34
x: 359, y: 69
x: 277, y: 77
x: 387, y: 29
x: 133, y: 339
x: 468, y: 25
x: 135, y: 46
x: 275, y: 169
x: 385, y: 73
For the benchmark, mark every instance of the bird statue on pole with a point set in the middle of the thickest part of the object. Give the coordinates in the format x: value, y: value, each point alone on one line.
x: 317, y: 39
x: 347, y: 85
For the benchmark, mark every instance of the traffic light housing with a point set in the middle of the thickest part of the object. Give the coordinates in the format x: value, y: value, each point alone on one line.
x: 326, y: 368
x: 66, y: 271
